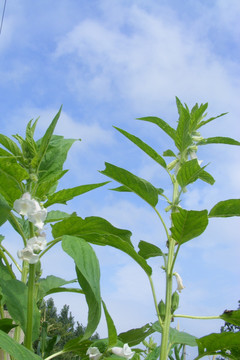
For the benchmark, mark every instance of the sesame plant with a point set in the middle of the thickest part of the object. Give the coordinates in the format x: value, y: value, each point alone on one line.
x: 29, y: 175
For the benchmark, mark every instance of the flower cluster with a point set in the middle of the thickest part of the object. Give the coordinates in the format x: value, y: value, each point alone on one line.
x: 29, y: 207
x: 125, y: 351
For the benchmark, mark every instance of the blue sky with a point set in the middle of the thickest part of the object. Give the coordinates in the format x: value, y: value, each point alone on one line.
x: 109, y: 62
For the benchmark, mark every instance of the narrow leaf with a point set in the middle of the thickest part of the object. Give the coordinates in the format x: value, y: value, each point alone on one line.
x: 139, y: 186
x: 162, y: 124
x: 134, y: 336
x: 62, y: 196
x: 143, y: 146
x: 112, y: 332
x: 188, y: 224
x: 183, y: 138
x: 219, y: 140
x: 148, y: 250
x: 49, y: 283
x: 10, y: 145
x: 226, y: 208
x: 211, y: 119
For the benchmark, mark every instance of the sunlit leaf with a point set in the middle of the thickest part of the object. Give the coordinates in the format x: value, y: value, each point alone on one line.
x: 226, y: 208
x: 112, y: 332
x: 148, y: 250
x: 56, y: 215
x: 139, y: 186
x: 182, y: 137
x: 211, y: 119
x: 10, y: 145
x: 162, y: 124
x: 188, y: 224
x: 190, y: 171
x: 219, y: 140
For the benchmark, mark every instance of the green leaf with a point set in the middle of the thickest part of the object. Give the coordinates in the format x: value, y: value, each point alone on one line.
x: 7, y: 324
x: 100, y: 232
x: 153, y: 355
x: 63, y: 289
x: 4, y: 272
x: 231, y: 316
x: 148, y: 250
x: 169, y: 153
x: 226, y: 208
x: 188, y: 224
x: 4, y: 210
x: 190, y: 171
x: 211, y: 119
x: 181, y: 337
x: 50, y: 282
x: 162, y: 124
x: 17, y: 351
x: 183, y: 138
x: 139, y: 186
x: 112, y: 332
x: 219, y: 140
x: 9, y: 188
x: 219, y: 344
x: 143, y: 146
x: 46, y: 184
x: 196, y: 115
x: 62, y: 196
x: 134, y: 337
x: 15, y: 297
x: 56, y: 215
x: 10, y: 145
x: 36, y: 161
x: 88, y: 273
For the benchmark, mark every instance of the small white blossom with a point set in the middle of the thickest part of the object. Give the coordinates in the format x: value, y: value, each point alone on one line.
x: 180, y: 286
x: 28, y: 255
x: 38, y: 218
x: 26, y: 205
x: 37, y: 243
x: 125, y: 351
x: 94, y: 353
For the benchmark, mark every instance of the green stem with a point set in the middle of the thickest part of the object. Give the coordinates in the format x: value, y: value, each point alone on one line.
x: 155, y: 301
x: 56, y: 354
x: 50, y: 245
x: 2, y: 255
x: 31, y: 283
x: 174, y: 259
x: 197, y: 317
x: 19, y: 229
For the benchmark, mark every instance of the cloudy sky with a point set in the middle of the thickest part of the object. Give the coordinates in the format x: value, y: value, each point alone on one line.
x: 109, y: 62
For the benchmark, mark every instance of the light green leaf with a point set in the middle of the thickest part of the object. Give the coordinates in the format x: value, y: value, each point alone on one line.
x: 196, y: 115
x: 100, y: 232
x: 219, y: 140
x: 15, y: 297
x: 226, y: 208
x: 139, y: 186
x: 88, y: 273
x: 4, y: 210
x: 190, y: 171
x: 13, y: 170
x: 134, y: 337
x: 56, y: 215
x: 50, y: 282
x: 181, y: 337
x: 46, y: 184
x: 148, y: 250
x: 143, y: 146
x: 183, y: 138
x: 9, y: 188
x: 188, y: 224
x: 10, y: 145
x: 169, y: 153
x: 162, y: 124
x: 4, y: 272
x: 211, y: 119
x: 62, y: 196
x: 17, y: 351
x: 219, y: 344
x: 231, y: 316
x: 112, y: 332
x: 153, y: 355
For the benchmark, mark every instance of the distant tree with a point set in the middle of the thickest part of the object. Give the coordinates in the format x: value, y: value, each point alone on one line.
x: 57, y: 330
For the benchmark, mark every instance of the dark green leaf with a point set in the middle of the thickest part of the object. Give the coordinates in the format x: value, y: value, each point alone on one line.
x: 231, y: 316
x: 219, y: 344
x: 219, y: 140
x: 4, y: 210
x: 180, y: 337
x: 226, y: 208
x: 190, y: 171
x: 145, y: 147
x: 15, y: 297
x: 169, y: 153
x: 6, y: 325
x: 62, y: 196
x: 188, y: 224
x: 88, y: 273
x: 100, y: 232
x: 133, y: 337
x: 112, y: 332
x: 139, y: 186
x: 162, y: 124
x: 17, y: 351
x: 148, y: 250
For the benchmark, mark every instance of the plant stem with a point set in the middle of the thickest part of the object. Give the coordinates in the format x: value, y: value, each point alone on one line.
x: 2, y: 255
x: 197, y: 317
x: 54, y: 355
x: 155, y: 301
x: 31, y: 283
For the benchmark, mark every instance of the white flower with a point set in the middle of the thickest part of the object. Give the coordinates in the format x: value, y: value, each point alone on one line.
x: 193, y: 155
x: 94, y: 353
x: 37, y: 243
x: 38, y: 218
x: 26, y: 205
x: 28, y: 255
x: 125, y: 351
x: 180, y: 286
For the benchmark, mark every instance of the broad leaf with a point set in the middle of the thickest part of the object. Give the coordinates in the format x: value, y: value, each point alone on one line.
x: 88, y: 273
x: 135, y: 336
x: 169, y: 153
x: 188, y: 224
x: 145, y: 147
x: 17, y: 351
x: 100, y: 232
x: 190, y: 171
x: 231, y: 316
x: 4, y: 272
x: 10, y: 145
x: 219, y: 140
x: 148, y: 250
x: 62, y: 196
x: 220, y: 344
x: 56, y: 215
x: 15, y: 297
x: 112, y: 332
x: 47, y: 183
x: 139, y: 186
x: 7, y: 324
x: 226, y: 208
x: 181, y: 337
x: 162, y: 124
